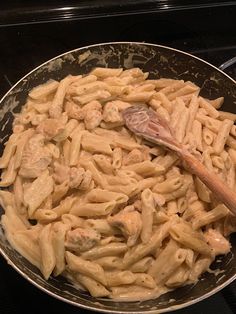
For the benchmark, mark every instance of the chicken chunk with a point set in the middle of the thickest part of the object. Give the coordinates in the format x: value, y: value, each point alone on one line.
x: 92, y: 105
x: 74, y: 111
x: 133, y: 157
x: 130, y: 224
x: 82, y: 240
x: 77, y: 178
x: 61, y: 173
x: 217, y: 242
x: 92, y: 119
x: 35, y: 158
x: 111, y: 113
x: 50, y: 128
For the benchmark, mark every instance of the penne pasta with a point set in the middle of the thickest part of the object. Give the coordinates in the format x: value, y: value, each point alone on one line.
x: 115, y: 214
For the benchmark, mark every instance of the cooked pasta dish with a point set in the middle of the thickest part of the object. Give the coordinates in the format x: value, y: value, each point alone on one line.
x: 87, y: 199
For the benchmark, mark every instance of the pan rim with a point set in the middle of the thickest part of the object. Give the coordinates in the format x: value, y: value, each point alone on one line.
x: 88, y: 307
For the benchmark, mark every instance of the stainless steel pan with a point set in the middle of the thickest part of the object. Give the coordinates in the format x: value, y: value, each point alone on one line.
x: 159, y: 61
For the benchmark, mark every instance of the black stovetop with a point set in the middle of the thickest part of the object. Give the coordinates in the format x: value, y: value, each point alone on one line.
x: 32, y: 35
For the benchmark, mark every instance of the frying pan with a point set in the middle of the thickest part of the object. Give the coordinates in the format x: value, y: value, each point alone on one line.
x: 159, y: 61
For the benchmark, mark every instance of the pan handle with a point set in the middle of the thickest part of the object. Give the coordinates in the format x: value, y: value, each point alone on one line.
x: 227, y: 64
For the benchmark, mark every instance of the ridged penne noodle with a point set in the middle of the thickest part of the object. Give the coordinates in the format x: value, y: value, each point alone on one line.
x: 145, y: 168
x: 95, y: 288
x: 142, y: 250
x: 189, y: 240
x: 142, y: 265
x: 92, y: 209
x: 109, y: 262
x: 117, y: 278
x: 75, y: 148
x: 208, y: 136
x: 106, y: 72
x: 211, y: 216
x: 8, y: 175
x: 38, y: 192
x: 40, y: 92
x: 103, y: 163
x: 117, y: 158
x: 59, y: 230
x: 110, y: 249
x: 212, y: 112
x: 148, y: 208
x: 91, y: 269
x: 57, y: 104
x: 65, y: 206
x: 22, y: 242
x: 164, y: 101
x: 180, y: 275
x: 169, y: 185
x: 48, y: 258
x: 101, y: 196
x: 221, y: 137
x: 170, y: 258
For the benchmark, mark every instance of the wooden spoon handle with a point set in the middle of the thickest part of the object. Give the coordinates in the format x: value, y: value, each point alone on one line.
x: 213, y: 182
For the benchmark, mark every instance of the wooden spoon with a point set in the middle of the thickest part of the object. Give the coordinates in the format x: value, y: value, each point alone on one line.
x: 148, y: 124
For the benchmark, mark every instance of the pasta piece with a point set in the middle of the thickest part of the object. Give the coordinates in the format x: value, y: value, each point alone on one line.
x: 101, y: 196
x: 227, y: 115
x: 101, y: 95
x: 147, y: 215
x: 117, y: 158
x: 9, y: 150
x: 38, y: 191
x: 92, y: 209
x: 64, y: 206
x: 145, y: 168
x: 221, y: 137
x: 117, y: 278
x: 106, y: 72
x: 142, y: 250
x: 91, y: 269
x: 212, y: 112
x: 95, y: 288
x: 58, y: 242
x: 100, y: 225
x: 104, y: 163
x: 72, y: 221
x: 181, y: 130
x: 201, y: 265
x: 179, y: 278
x: 169, y: 185
x: 197, y: 133
x: 45, y: 215
x: 167, y: 262
x: 42, y: 91
x: 164, y: 101
x: 211, y: 216
x: 9, y: 175
x: 191, y: 239
x: 142, y: 265
x: 193, y: 107
x: 75, y: 148
x: 110, y: 249
x: 22, y: 242
x: 48, y: 259
x: 95, y: 144
x: 57, y: 104
x: 109, y: 262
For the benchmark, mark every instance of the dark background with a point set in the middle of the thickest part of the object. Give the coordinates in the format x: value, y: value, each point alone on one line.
x: 32, y: 32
